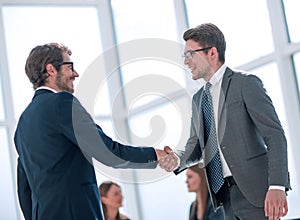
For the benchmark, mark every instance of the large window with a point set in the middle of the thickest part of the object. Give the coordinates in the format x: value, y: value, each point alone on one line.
x: 144, y: 38
x: 133, y: 82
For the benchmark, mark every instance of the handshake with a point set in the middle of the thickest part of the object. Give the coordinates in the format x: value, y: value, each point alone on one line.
x: 167, y: 159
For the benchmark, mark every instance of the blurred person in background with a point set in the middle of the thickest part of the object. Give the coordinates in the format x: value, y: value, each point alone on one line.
x: 201, y: 208
x: 112, y: 200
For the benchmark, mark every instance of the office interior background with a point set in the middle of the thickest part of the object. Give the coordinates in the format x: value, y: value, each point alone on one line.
x: 263, y: 37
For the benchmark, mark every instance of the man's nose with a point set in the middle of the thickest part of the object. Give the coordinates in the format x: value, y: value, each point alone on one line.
x: 186, y: 61
x: 75, y: 73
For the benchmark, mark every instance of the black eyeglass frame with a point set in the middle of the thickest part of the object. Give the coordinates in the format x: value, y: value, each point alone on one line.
x: 68, y: 63
x: 191, y: 52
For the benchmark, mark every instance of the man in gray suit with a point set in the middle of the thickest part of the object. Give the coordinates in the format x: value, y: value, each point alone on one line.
x: 242, y: 134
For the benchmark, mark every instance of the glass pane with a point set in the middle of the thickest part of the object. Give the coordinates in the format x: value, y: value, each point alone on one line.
x: 270, y: 77
x: 2, y: 113
x: 92, y: 89
x: 135, y: 19
x: 102, y: 105
x: 245, y: 25
x: 146, y: 80
x: 107, y: 127
x: 167, y: 124
x: 8, y: 193
x: 297, y: 67
x: 171, y: 196
x: 145, y: 56
x: 292, y: 16
x: 84, y: 40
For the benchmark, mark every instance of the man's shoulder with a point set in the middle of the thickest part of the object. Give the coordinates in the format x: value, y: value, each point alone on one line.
x: 65, y: 94
x: 198, y: 93
x: 65, y: 97
x: 241, y: 74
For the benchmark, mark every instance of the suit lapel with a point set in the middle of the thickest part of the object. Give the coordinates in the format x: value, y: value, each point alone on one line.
x: 222, y: 108
x: 198, y: 116
x: 201, y: 140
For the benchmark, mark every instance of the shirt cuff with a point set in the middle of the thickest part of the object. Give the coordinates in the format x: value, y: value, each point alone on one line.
x: 277, y: 187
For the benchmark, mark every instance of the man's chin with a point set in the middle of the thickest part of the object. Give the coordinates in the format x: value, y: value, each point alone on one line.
x: 71, y: 89
x: 195, y: 77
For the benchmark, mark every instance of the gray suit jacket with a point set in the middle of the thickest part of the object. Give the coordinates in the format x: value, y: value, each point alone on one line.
x: 250, y: 135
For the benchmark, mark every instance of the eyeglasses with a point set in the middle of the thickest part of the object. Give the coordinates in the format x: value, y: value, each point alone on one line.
x: 189, y: 54
x: 68, y: 63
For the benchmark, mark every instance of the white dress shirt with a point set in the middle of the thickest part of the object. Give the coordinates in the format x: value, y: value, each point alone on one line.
x: 216, y: 82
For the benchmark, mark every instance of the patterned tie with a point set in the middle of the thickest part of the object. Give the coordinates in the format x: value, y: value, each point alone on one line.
x: 213, y: 168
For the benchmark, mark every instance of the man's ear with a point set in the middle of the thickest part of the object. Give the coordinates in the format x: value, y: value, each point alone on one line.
x: 51, y: 69
x: 213, y: 53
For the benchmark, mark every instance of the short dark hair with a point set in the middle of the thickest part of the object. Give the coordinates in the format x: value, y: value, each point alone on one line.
x: 208, y: 35
x: 38, y: 59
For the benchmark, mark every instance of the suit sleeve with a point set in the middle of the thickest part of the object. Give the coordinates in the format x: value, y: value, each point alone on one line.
x: 191, y: 154
x: 80, y: 128
x: 264, y: 116
x: 24, y: 191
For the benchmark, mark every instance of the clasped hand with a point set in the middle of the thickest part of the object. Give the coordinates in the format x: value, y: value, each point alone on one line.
x: 167, y: 159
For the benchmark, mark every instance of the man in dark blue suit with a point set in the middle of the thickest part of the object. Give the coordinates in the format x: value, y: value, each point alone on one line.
x: 56, y: 139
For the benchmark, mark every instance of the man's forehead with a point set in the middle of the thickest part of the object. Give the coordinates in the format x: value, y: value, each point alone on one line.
x: 66, y: 56
x: 191, y: 45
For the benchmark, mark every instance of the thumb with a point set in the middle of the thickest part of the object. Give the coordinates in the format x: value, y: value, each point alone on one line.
x: 168, y: 149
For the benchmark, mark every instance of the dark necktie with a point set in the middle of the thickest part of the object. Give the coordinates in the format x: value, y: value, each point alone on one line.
x: 213, y: 167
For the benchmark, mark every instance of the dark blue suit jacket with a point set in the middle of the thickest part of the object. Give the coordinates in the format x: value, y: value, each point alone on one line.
x: 56, y: 139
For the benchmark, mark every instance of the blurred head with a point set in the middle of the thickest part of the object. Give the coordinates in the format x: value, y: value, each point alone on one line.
x: 195, y: 178
x: 111, y: 195
x: 50, y: 65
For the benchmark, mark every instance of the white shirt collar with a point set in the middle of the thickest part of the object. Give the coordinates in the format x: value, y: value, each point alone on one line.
x: 218, y: 75
x: 46, y: 87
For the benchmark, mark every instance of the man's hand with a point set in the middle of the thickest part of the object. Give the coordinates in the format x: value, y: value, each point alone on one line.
x: 160, y: 154
x: 275, y: 204
x: 170, y: 161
